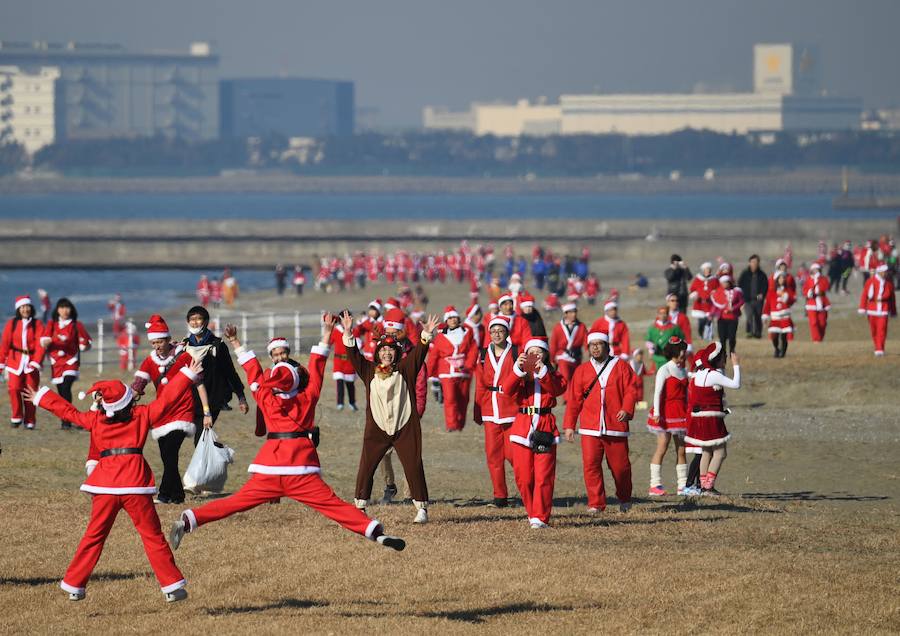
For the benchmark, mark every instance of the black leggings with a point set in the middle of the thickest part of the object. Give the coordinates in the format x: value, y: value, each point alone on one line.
x: 693, y: 476
x: 351, y: 392
x: 170, y: 485
x: 727, y: 334
x: 65, y: 392
x: 780, y: 342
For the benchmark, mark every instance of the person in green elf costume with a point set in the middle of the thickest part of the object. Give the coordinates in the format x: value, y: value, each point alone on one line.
x: 659, y: 333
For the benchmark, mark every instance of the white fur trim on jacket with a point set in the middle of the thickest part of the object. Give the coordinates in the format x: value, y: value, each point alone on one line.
x: 597, y: 433
x: 321, y: 350
x: 41, y: 393
x: 127, y: 490
x: 370, y: 529
x: 71, y: 589
x: 142, y: 375
x: 706, y: 442
x: 245, y: 356
x: 174, y: 586
x: 262, y: 469
x: 178, y: 425
x: 193, y: 377
x: 346, y: 377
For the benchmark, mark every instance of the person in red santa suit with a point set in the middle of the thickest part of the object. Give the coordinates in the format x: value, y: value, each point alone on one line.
x: 342, y: 371
x: 777, y: 313
x: 815, y: 291
x: 530, y: 324
x: 567, y: 341
x: 122, y: 478
x: 641, y: 370
x: 668, y: 416
x: 203, y: 290
x: 117, y: 313
x: 474, y: 321
x: 601, y: 397
x: 727, y: 302
x: 879, y: 303
x: 533, y: 437
x: 592, y: 288
x: 369, y: 328
x: 21, y: 355
x: 781, y: 266
x: 160, y: 368
x: 287, y: 465
x: 64, y: 340
x: 616, y: 329
x: 702, y: 287
x: 706, y: 412
x: 452, y: 358
x: 507, y: 310
x: 495, y: 411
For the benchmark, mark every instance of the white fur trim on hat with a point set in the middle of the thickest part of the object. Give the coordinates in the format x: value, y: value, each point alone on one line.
x: 498, y: 321
x: 375, y: 305
x: 815, y: 266
x: 725, y: 278
x: 153, y: 335
x: 596, y: 336
x: 526, y: 303
x: 294, y: 375
x: 275, y: 343
x: 705, y: 264
x: 393, y: 325
x: 882, y: 268
x: 119, y: 404
x: 610, y: 305
x: 534, y: 342
x: 504, y: 298
x: 24, y: 300
x: 569, y: 307
x: 474, y: 309
x: 450, y: 314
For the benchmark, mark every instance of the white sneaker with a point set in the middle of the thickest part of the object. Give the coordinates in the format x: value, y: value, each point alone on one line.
x: 594, y: 511
x: 29, y: 426
x: 176, y: 534
x: 178, y: 595
x: 421, y: 516
x: 537, y: 524
x: 76, y: 596
x: 340, y: 407
x: 625, y: 507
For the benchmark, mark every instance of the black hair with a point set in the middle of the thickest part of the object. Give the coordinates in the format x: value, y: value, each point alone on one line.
x: 123, y: 414
x: 675, y: 258
x: 671, y: 349
x: 64, y: 302
x: 752, y: 256
x: 198, y: 310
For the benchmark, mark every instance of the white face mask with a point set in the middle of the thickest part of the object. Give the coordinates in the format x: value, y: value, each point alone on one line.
x: 195, y: 331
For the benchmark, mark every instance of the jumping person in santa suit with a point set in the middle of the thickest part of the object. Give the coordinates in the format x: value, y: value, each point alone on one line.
x: 21, y: 354
x: 495, y: 411
x: 392, y: 419
x: 64, y: 340
x: 567, y: 341
x: 616, y: 330
x: 122, y: 478
x: 159, y: 368
x: 878, y: 302
x: 817, y: 304
x: 668, y: 416
x: 702, y: 287
x: 452, y: 358
x: 287, y: 465
x: 706, y: 412
x: 602, y: 396
x: 777, y: 313
x: 534, y: 435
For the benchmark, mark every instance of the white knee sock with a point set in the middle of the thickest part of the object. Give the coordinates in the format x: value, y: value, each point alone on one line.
x: 681, y: 475
x: 655, y: 475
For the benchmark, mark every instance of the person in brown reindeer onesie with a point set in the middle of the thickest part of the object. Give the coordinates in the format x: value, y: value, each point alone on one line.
x: 391, y: 416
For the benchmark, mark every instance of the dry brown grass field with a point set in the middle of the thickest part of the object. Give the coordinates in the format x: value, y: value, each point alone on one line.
x: 807, y: 539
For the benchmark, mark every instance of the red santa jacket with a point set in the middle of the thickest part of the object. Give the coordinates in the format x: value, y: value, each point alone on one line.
x: 567, y: 343
x: 119, y: 474
x: 877, y: 298
x: 63, y: 341
x: 20, y: 346
x: 491, y: 403
x: 701, y: 291
x: 619, y: 338
x: 453, y: 354
x: 533, y: 392
x: 680, y: 318
x: 728, y: 303
x: 814, y: 290
x: 161, y: 372
x: 614, y: 391
x: 341, y: 367
x: 777, y: 305
x: 286, y: 413
x: 478, y: 332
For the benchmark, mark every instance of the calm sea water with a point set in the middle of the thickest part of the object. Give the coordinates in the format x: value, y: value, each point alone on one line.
x: 418, y: 206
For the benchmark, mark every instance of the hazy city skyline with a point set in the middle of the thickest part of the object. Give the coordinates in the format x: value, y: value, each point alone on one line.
x: 404, y: 54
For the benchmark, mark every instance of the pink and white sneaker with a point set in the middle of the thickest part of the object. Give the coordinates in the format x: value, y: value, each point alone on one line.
x: 657, y: 491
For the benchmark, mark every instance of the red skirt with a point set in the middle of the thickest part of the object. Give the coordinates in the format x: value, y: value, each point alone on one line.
x: 706, y: 431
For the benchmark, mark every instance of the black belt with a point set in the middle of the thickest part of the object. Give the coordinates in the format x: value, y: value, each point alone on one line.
x: 494, y: 388
x: 533, y: 410
x: 121, y: 451
x: 28, y: 351
x: 293, y: 434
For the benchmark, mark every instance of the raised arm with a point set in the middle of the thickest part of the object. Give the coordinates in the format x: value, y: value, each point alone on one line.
x: 420, y: 351
x: 50, y: 401
x: 318, y: 356
x: 182, y: 382
x: 364, y: 368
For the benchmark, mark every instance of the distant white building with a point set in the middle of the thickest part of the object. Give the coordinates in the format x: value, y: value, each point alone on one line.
x: 27, y: 112
x: 786, y: 96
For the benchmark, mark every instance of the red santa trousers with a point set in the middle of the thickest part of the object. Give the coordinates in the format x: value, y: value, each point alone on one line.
x: 616, y: 451
x: 878, y: 326
x: 535, y: 477
x: 104, y: 509
x: 456, y: 402
x: 309, y: 490
x: 497, y: 449
x: 16, y: 383
x: 818, y: 320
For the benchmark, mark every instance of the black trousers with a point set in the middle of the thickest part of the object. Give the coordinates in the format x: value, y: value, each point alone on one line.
x: 351, y: 392
x: 727, y: 335
x: 65, y: 392
x: 170, y: 485
x: 754, y: 318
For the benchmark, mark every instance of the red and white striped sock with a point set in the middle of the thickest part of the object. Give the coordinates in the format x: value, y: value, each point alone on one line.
x: 710, y: 480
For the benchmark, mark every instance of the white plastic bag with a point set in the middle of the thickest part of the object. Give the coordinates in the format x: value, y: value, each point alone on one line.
x: 208, y: 469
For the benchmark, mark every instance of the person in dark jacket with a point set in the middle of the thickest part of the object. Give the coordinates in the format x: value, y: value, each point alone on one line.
x: 678, y: 279
x: 219, y: 377
x: 754, y: 284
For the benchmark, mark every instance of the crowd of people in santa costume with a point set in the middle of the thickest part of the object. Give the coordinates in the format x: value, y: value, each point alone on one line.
x: 520, y: 376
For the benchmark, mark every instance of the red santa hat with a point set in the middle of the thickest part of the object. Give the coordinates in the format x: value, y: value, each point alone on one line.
x: 473, y: 309
x: 450, y: 312
x: 277, y: 342
x: 284, y: 379
x: 21, y: 301
x: 611, y: 303
x: 394, y: 319
x: 115, y: 395
x: 725, y: 266
x: 597, y: 336
x: 376, y: 305
x: 499, y: 321
x: 505, y: 298
x: 569, y: 307
x: 725, y: 278
x: 779, y: 263
x: 538, y: 341
x: 391, y: 303
x: 156, y: 327
x: 526, y: 301
x: 709, y: 353
x: 815, y: 265
x: 493, y: 305
x: 881, y: 269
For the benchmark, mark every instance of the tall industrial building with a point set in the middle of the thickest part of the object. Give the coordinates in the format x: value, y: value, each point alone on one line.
x: 27, y: 114
x: 105, y: 91
x: 293, y: 107
x: 787, y: 96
